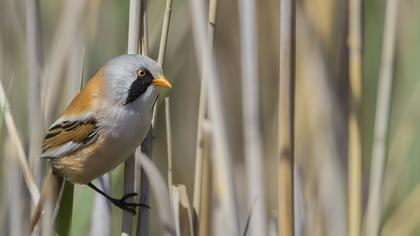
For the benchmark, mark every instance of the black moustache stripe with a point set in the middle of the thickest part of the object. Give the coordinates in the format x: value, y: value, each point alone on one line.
x: 138, y: 87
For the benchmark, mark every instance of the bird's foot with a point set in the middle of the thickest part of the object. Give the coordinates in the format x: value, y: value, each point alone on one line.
x: 127, y: 206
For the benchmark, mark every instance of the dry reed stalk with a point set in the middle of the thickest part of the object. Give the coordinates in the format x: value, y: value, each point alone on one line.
x: 165, y: 31
x: 168, y: 139
x: 17, y: 143
x: 174, y: 202
x: 147, y: 145
x: 202, y: 108
x: 134, y: 26
x: 133, y: 46
x: 204, y: 216
x: 101, y: 220
x: 251, y: 119
x: 144, y: 29
x: 14, y: 194
x: 144, y: 186
x: 127, y: 217
x: 169, y: 154
x: 354, y: 135
x: 286, y: 117
x: 34, y: 60
x: 383, y: 105
x: 183, y: 211
x: 160, y: 192
x: 225, y: 216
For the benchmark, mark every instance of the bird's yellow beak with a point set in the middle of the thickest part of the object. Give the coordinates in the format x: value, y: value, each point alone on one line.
x: 161, y: 81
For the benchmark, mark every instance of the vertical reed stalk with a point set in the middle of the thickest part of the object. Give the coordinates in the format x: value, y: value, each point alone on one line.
x: 127, y: 217
x: 202, y: 108
x: 160, y: 192
x: 168, y: 139
x: 144, y: 29
x: 226, y: 219
x: 147, y: 145
x: 134, y: 26
x: 165, y: 31
x: 286, y: 117
x: 383, y: 104
x: 354, y: 138
x: 251, y: 119
x: 169, y: 154
x: 101, y: 220
x: 13, y: 193
x: 14, y: 137
x: 204, y: 216
x: 129, y: 165
x: 34, y: 60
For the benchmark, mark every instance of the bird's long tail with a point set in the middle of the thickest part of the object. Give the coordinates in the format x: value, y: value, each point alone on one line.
x: 49, y: 194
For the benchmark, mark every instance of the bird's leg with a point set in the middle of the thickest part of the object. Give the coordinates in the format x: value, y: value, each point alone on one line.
x: 121, y: 203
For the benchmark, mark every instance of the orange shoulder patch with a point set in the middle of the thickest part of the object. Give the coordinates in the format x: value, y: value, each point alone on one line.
x: 85, y: 100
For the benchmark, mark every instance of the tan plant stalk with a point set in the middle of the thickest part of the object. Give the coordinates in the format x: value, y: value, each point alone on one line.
x: 14, y: 136
x: 144, y: 29
x: 202, y: 108
x: 34, y: 58
x: 165, y: 31
x: 147, y: 145
x: 354, y: 135
x: 383, y: 105
x: 129, y: 165
x: 286, y: 117
x: 182, y: 210
x: 251, y: 119
x: 15, y: 211
x: 204, y: 217
x: 225, y: 217
x: 169, y: 152
x: 160, y: 192
x: 168, y: 139
x: 127, y: 217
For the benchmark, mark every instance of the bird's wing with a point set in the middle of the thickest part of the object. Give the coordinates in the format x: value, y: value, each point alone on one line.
x: 69, y: 135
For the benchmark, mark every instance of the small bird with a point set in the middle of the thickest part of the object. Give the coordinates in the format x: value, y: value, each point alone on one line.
x: 102, y: 126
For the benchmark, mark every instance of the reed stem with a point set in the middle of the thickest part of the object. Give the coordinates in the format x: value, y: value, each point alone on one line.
x: 286, y: 117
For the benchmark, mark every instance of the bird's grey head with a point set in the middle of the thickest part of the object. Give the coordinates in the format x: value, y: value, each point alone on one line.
x: 130, y: 76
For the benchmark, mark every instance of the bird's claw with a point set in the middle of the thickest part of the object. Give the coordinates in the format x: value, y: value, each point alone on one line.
x: 128, y: 206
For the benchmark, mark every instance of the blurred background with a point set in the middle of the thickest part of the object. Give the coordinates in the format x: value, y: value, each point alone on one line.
x: 77, y: 34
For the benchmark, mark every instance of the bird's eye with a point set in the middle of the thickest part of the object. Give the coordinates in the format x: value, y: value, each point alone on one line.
x: 141, y: 73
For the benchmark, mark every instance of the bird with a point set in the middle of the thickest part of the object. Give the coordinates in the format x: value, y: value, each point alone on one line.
x: 101, y: 127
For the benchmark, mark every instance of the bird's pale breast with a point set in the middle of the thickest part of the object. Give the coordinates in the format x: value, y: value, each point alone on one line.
x: 123, y: 129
